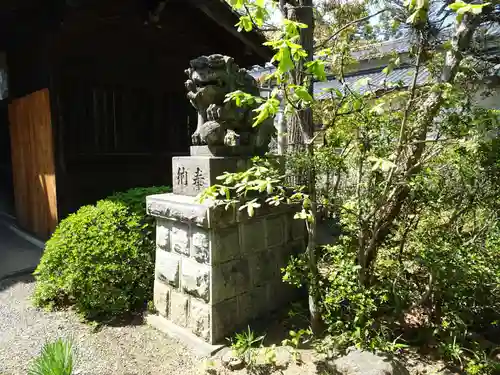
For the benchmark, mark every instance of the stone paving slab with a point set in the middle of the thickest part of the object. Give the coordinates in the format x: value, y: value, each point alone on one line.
x: 17, y: 254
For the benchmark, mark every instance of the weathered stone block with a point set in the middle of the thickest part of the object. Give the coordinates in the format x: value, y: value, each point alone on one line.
x: 296, y: 247
x: 263, y: 267
x: 167, y: 267
x: 253, y: 236
x: 243, y: 217
x: 252, y: 304
x: 193, y: 174
x: 199, y: 319
x: 298, y: 228
x: 282, y: 256
x: 163, y: 228
x: 280, y: 294
x: 360, y: 362
x: 196, y: 279
x: 226, y: 269
x: 230, y: 279
x: 180, y: 238
x: 224, y: 319
x: 275, y: 230
x: 245, y: 308
x: 178, y: 208
x: 225, y: 245
x: 161, y: 298
x: 294, y: 228
x: 200, y: 249
x: 178, y: 308
x: 187, y: 209
x: 220, y: 216
x: 225, y: 151
x: 259, y: 303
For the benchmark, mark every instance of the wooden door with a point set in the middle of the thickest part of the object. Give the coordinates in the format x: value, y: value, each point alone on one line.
x: 33, y: 163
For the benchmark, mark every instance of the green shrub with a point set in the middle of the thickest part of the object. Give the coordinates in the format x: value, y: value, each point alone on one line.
x: 101, y: 258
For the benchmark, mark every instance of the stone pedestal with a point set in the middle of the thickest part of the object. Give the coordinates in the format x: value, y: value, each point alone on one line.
x: 193, y: 174
x: 218, y: 269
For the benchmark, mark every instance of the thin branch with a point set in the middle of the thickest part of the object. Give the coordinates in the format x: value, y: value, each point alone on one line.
x: 255, y: 24
x: 346, y: 26
x: 402, y: 243
x: 426, y: 294
x: 406, y: 116
x: 435, y: 140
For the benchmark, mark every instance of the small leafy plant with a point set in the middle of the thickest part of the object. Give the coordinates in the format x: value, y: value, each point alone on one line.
x: 56, y: 358
x: 297, y: 338
x: 244, y: 346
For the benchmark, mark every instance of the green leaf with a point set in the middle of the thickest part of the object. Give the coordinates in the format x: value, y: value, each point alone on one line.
x: 362, y: 82
x: 269, y: 108
x: 382, y: 164
x: 388, y: 69
x: 356, y: 105
x: 285, y: 60
x: 303, y: 94
x: 410, y: 4
x: 422, y: 4
x: 379, y: 109
x: 324, y: 52
x: 413, y: 18
x: 259, y: 15
x: 237, y: 4
x: 478, y: 8
x: 245, y: 23
x: 456, y: 5
x: 292, y: 27
x: 317, y: 69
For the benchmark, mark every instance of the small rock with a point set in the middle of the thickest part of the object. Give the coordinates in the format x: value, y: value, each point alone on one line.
x: 231, y: 362
x: 359, y: 362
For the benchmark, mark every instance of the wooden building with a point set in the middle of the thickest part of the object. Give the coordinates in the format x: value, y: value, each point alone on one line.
x: 96, y: 95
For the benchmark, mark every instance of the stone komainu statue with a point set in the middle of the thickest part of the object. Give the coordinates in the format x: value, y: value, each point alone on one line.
x: 223, y: 126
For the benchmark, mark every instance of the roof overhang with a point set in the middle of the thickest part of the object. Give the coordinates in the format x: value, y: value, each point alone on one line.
x: 220, y: 12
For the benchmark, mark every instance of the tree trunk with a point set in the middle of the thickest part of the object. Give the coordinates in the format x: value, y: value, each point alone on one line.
x: 427, y: 112
x: 302, y: 132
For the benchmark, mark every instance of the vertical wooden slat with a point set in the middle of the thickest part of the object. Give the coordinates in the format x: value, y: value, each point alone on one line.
x: 18, y: 151
x: 33, y: 163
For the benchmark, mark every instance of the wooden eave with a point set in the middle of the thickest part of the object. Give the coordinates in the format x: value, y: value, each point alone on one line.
x: 221, y: 13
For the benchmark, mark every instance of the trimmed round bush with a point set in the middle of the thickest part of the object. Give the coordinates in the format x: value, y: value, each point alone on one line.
x: 101, y: 258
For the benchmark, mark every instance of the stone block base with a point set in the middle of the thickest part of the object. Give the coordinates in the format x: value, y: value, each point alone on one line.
x: 216, y: 270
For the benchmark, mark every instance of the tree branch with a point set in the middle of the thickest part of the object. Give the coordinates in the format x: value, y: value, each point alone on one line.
x: 346, y: 26
x: 255, y: 24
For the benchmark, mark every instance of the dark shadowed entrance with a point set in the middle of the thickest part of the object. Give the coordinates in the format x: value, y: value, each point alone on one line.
x: 6, y: 186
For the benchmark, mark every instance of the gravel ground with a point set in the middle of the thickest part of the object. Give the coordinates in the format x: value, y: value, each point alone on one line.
x: 130, y: 350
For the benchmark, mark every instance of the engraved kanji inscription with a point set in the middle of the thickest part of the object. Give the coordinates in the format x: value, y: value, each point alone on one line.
x: 182, y: 176
x: 198, y: 179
